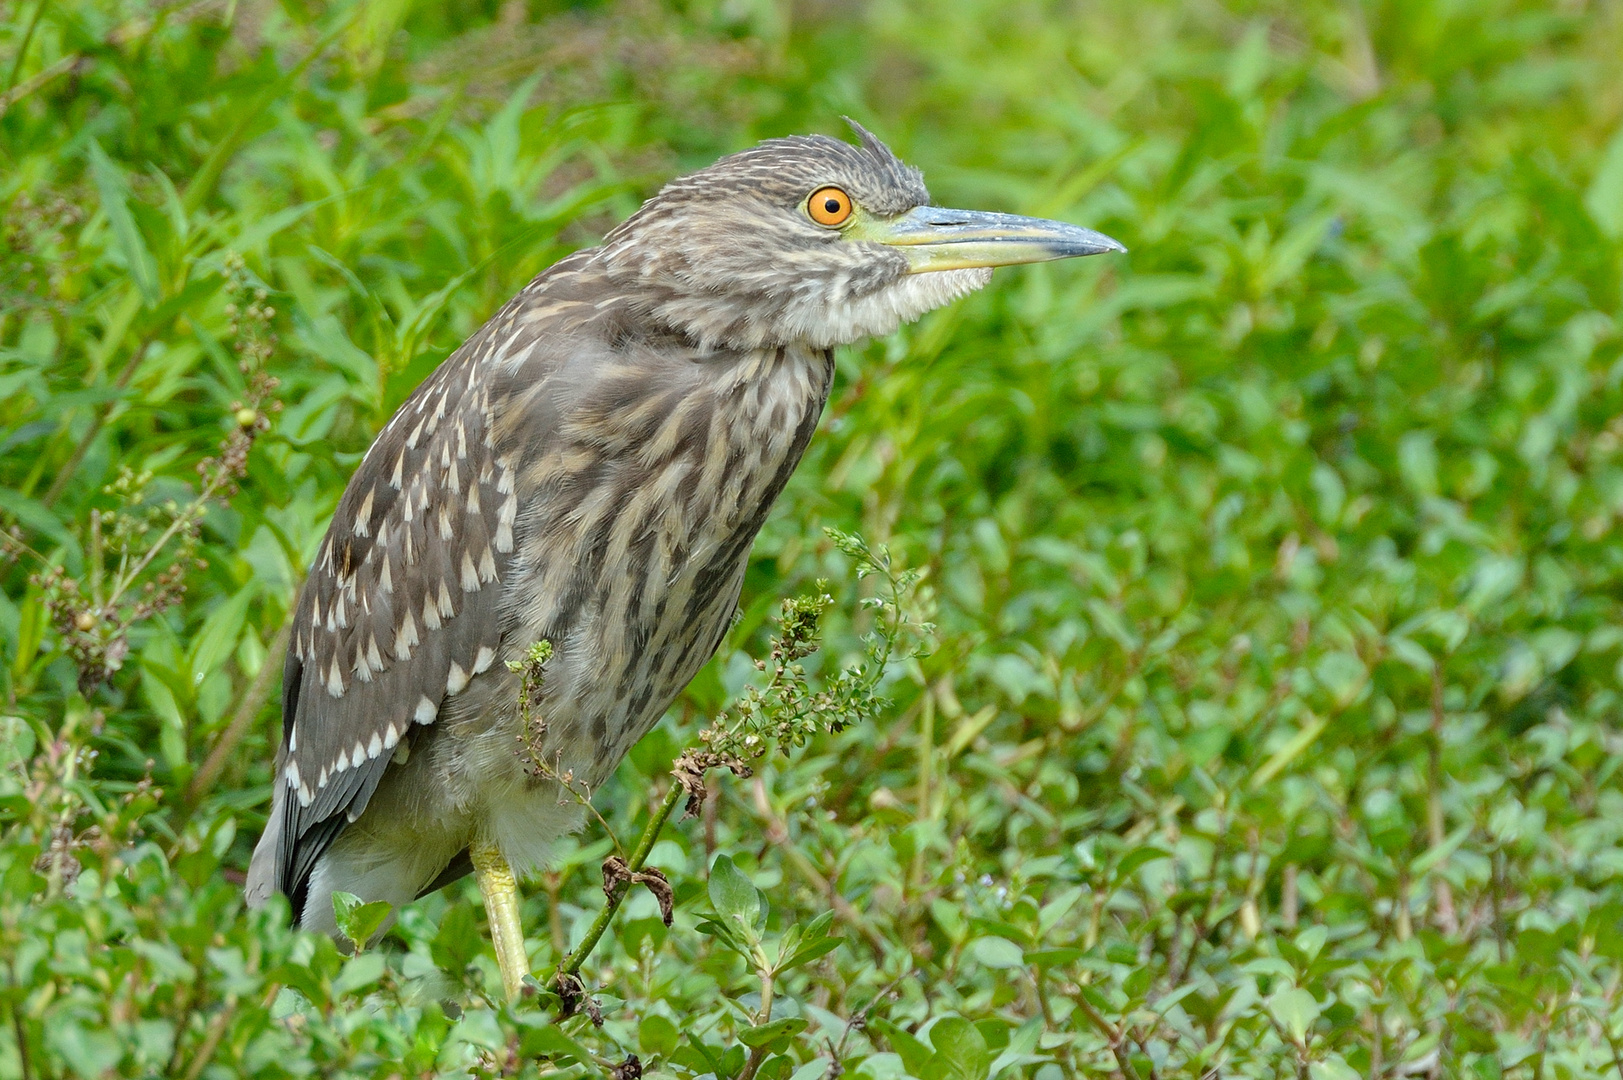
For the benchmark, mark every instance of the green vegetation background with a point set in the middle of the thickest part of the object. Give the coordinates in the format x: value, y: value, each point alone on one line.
x: 1271, y: 726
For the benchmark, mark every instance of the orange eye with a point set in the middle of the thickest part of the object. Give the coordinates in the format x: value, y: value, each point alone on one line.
x: 829, y: 206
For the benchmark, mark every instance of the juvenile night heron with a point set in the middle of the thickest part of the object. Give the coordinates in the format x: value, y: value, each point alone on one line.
x: 589, y: 469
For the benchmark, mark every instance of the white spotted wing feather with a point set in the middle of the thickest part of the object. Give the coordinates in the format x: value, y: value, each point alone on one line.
x: 400, y: 610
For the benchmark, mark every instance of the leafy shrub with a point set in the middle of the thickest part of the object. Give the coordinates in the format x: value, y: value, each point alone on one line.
x: 1270, y: 724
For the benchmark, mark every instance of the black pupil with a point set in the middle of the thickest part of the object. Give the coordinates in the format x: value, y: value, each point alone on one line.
x: 831, y: 205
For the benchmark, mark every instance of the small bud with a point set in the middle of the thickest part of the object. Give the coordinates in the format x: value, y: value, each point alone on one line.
x: 86, y: 621
x: 247, y: 417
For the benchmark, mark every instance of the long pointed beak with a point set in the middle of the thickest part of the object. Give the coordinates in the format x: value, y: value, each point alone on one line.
x: 933, y: 238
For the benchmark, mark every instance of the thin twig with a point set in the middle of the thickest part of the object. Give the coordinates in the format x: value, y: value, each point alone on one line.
x: 211, y: 1040
x: 1112, y: 1034
x: 22, y: 49
x: 777, y: 832
x: 97, y: 422
x: 762, y: 1016
x: 247, y: 712
x: 1617, y: 1052
x: 859, y: 1019
x: 645, y: 844
x: 40, y: 78
x: 184, y: 520
x: 22, y: 1042
x: 1447, y: 920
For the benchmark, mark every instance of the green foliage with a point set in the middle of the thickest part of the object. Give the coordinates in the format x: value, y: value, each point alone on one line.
x: 357, y: 920
x: 1269, y: 719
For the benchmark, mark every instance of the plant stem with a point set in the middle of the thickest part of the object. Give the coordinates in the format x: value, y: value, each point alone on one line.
x: 765, y: 1016
x: 22, y: 1040
x: 253, y: 699
x: 97, y: 422
x: 762, y: 1016
x: 1113, y: 1036
x: 645, y: 844
x: 753, y: 1064
x: 22, y: 50
x: 777, y: 832
x: 184, y: 520
x: 211, y: 1039
x: 926, y: 750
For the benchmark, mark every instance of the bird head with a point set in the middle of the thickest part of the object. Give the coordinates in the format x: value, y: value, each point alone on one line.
x: 814, y: 241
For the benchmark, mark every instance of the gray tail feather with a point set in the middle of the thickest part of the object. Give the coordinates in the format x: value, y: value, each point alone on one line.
x: 262, y: 867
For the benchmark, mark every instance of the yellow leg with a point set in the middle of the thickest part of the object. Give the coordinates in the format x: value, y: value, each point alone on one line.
x: 500, y: 891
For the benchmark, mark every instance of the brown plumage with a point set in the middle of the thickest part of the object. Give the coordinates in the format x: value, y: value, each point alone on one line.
x: 589, y: 469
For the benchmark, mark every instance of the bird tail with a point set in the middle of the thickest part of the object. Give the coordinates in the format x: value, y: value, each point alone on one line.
x: 262, y: 867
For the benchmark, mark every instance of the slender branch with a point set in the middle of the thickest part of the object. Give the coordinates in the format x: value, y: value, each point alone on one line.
x: 762, y: 1016
x: 645, y: 844
x: 1063, y: 1056
x: 533, y: 669
x: 211, y: 1040
x: 1447, y: 920
x: 753, y: 1064
x: 184, y: 520
x: 40, y: 78
x: 22, y: 49
x: 253, y: 699
x: 777, y: 833
x: 1112, y: 1034
x: 97, y: 422
x: 22, y: 1041
x: 1617, y: 1053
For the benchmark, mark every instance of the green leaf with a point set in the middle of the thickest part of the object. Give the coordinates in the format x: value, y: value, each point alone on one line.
x: 732, y: 894
x: 915, y: 1054
x: 1407, y: 651
x: 1604, y: 199
x: 1311, y: 941
x: 1434, y: 855
x: 960, y: 1050
x: 767, y: 1033
x: 1333, y: 1067
x: 723, y: 933
x: 168, y: 964
x: 1342, y: 674
x: 997, y: 952
x: 815, y: 1069
x: 115, y: 193
x: 1055, y: 957
x: 358, y: 921
x: 1288, y: 753
x: 217, y: 638
x: 88, y: 1052
x: 1295, y: 1009
x: 807, y: 953
x: 657, y: 1035
x: 359, y: 972
x: 1137, y: 858
x: 819, y: 927
x: 543, y: 1038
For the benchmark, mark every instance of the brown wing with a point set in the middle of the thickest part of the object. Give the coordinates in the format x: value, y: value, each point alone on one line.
x: 400, y: 609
